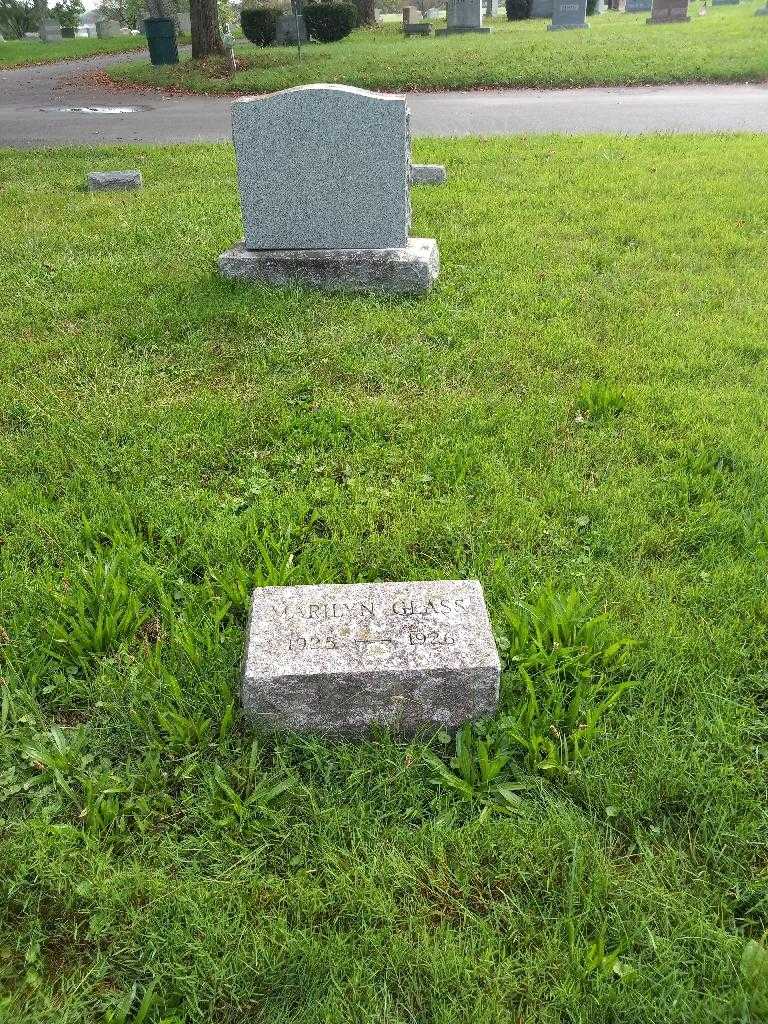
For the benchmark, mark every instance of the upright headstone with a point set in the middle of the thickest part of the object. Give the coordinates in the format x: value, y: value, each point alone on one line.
x: 569, y: 14
x: 491, y: 8
x: 184, y: 20
x: 323, y: 172
x: 464, y: 16
x: 286, y: 33
x: 636, y: 6
x: 599, y: 8
x: 664, y: 12
x: 107, y: 28
x: 50, y: 31
x: 414, y: 24
x: 337, y: 660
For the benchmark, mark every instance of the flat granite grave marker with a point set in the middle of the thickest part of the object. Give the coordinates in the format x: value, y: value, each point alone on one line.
x: 323, y: 172
x: 338, y: 659
x: 568, y: 14
x: 428, y: 174
x: 114, y: 181
x: 665, y: 12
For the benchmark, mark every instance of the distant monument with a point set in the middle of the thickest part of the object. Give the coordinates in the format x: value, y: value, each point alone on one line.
x: 569, y: 14
x: 464, y: 16
x: 665, y: 12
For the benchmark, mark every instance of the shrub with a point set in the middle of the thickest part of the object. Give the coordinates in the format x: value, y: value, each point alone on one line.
x: 330, y: 22
x: 260, y: 25
x: 517, y: 10
x: 591, y: 5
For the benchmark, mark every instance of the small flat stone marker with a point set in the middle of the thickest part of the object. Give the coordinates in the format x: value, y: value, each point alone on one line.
x: 114, y: 181
x: 427, y: 174
x: 338, y: 659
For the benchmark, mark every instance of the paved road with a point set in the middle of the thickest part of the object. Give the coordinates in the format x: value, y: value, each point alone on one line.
x: 35, y: 110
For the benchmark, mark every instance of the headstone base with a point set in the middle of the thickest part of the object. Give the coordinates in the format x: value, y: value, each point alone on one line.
x: 114, y: 181
x: 421, y: 28
x: 427, y: 174
x: 407, y: 271
x: 566, y: 28
x: 462, y: 30
x: 666, y: 21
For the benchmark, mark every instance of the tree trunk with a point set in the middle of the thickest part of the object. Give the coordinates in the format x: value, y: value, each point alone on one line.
x: 366, y: 11
x: 206, y: 34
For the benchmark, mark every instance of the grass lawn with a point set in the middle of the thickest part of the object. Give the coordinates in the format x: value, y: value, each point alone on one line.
x: 730, y: 44
x: 576, y: 416
x: 20, y: 52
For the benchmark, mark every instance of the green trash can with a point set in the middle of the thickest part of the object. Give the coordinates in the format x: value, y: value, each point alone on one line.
x: 161, y: 40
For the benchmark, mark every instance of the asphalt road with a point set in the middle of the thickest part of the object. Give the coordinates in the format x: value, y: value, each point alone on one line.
x: 39, y: 106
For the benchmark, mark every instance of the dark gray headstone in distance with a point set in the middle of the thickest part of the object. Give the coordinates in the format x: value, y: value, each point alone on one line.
x: 568, y: 14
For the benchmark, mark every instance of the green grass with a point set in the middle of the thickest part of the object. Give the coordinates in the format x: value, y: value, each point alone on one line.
x: 20, y: 52
x: 728, y: 45
x: 575, y: 415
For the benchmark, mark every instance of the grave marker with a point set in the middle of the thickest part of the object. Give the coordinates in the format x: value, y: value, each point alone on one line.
x: 665, y: 12
x: 338, y: 659
x: 464, y: 16
x: 323, y: 172
x: 50, y: 31
x: 569, y: 14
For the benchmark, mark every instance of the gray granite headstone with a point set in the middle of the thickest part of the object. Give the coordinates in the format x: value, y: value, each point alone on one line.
x: 107, y: 28
x: 635, y: 6
x: 464, y: 16
x: 491, y: 8
x: 323, y: 167
x: 50, y: 31
x: 184, y: 21
x: 286, y: 34
x: 569, y: 14
x: 339, y: 659
x: 664, y: 12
